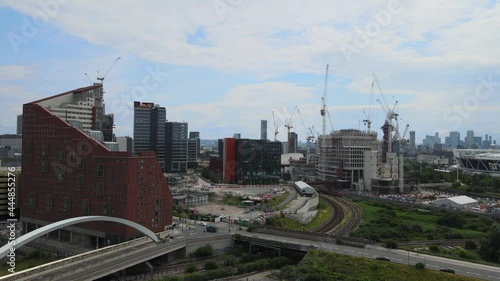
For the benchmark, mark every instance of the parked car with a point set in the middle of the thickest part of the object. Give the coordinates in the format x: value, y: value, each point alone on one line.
x: 382, y: 258
x: 449, y: 270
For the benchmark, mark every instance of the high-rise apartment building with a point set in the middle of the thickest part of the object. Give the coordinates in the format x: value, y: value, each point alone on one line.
x: 176, y: 146
x: 413, y: 147
x: 469, y: 139
x: 67, y: 173
x: 293, y: 142
x: 149, y: 129
x: 194, y: 146
x: 263, y: 129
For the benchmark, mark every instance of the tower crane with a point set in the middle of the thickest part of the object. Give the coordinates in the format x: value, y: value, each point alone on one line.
x: 323, y: 131
x: 368, y: 117
x: 88, y: 77
x: 309, y: 134
x: 101, y: 78
x: 276, y: 130
x: 288, y: 124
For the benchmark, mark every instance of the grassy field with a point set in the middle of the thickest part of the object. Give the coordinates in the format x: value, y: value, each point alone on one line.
x: 275, y: 201
x: 319, y: 265
x: 382, y: 222
x: 324, y: 212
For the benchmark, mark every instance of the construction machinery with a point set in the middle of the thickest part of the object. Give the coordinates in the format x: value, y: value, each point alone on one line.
x: 323, y: 131
x: 289, y: 125
x: 368, y: 116
x: 276, y: 128
x: 102, y: 77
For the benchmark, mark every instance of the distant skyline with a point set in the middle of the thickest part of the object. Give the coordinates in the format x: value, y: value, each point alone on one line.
x: 225, y: 65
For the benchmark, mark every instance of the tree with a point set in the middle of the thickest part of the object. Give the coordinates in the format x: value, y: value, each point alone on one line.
x: 203, y: 252
x: 490, y: 246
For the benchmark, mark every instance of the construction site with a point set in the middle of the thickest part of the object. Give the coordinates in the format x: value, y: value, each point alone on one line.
x: 351, y: 159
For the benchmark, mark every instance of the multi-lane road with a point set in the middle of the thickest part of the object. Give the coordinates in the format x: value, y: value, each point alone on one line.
x: 485, y: 272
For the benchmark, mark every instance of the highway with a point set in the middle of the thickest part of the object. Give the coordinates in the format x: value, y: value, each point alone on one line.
x: 475, y: 270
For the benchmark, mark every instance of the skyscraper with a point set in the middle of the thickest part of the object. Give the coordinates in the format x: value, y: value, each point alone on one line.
x: 294, y: 142
x: 469, y: 140
x: 194, y: 144
x: 454, y: 139
x: 19, y: 130
x: 413, y: 147
x: 263, y: 129
x: 67, y: 172
x: 149, y: 129
x: 176, y: 146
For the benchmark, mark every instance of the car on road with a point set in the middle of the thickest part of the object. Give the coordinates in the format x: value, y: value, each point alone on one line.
x: 449, y: 270
x: 202, y: 223
x: 312, y: 247
x: 382, y: 258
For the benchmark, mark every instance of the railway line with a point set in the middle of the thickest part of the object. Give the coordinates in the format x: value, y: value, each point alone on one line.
x: 339, y: 225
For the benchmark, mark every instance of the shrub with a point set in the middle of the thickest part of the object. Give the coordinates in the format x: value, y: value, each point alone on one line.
x: 191, y: 268
x: 391, y: 244
x: 420, y: 265
x: 434, y: 248
x: 209, y: 265
x: 203, y: 252
x: 470, y: 245
x: 245, y: 258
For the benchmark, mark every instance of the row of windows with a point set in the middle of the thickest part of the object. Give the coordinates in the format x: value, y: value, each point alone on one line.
x: 67, y: 205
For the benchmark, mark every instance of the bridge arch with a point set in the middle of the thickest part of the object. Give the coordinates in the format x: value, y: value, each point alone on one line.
x: 67, y: 222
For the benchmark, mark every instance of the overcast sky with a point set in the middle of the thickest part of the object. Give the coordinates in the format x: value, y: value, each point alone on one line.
x: 223, y: 65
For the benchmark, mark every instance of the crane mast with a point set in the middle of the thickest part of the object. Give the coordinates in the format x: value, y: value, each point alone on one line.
x: 323, y: 137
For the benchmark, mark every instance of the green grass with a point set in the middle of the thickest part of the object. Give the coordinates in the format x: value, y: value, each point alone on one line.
x: 319, y: 265
x: 232, y: 200
x: 275, y: 201
x: 387, y: 222
x: 324, y: 212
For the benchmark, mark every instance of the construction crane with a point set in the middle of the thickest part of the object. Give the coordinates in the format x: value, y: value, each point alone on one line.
x: 276, y: 129
x: 101, y: 78
x: 88, y: 77
x: 288, y: 125
x: 368, y: 117
x: 323, y: 131
x: 309, y: 134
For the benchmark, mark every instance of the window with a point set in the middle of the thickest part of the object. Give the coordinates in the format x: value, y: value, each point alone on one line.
x: 79, y: 181
x: 48, y: 203
x: 29, y: 145
x: 100, y: 170
x: 80, y: 164
x: 32, y: 201
x: 45, y: 150
x: 107, y: 209
x: 66, y: 206
x: 61, y: 156
x: 100, y: 189
x: 85, y: 207
x: 44, y: 166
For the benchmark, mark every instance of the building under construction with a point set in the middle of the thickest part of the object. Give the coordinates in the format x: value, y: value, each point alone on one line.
x: 342, y: 155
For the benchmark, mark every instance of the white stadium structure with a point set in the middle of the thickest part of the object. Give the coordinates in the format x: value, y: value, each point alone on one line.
x: 486, y: 161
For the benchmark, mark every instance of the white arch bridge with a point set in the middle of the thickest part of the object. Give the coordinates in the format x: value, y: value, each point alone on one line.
x: 60, y: 224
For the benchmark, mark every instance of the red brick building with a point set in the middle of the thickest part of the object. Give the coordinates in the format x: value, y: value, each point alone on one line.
x: 67, y: 173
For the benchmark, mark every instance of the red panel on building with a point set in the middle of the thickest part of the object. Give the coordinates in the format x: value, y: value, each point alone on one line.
x: 229, y: 161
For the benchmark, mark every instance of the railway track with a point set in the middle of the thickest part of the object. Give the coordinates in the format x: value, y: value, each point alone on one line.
x: 341, y: 209
x: 338, y: 216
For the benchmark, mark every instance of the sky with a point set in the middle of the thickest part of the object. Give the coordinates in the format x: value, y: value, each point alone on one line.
x: 224, y: 65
